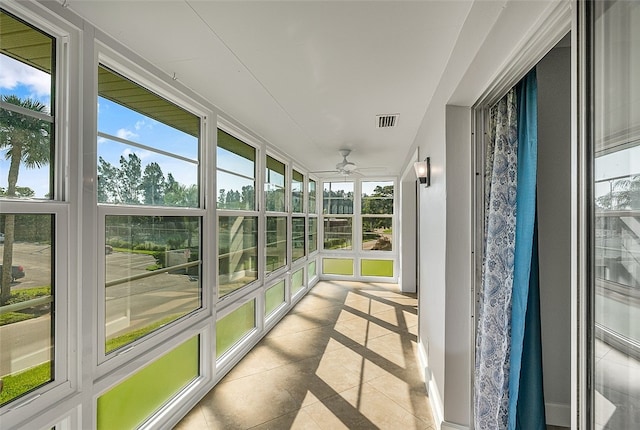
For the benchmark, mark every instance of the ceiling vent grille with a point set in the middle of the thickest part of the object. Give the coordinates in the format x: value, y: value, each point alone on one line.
x: 385, y: 121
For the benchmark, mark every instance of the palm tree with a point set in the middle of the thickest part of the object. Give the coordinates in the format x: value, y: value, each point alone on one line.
x: 26, y: 140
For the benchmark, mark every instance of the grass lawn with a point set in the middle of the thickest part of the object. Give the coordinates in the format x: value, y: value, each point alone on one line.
x: 22, y: 382
x: 19, y: 296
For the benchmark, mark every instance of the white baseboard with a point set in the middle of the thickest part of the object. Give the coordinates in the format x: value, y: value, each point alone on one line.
x: 558, y: 414
x: 432, y: 388
x: 451, y: 426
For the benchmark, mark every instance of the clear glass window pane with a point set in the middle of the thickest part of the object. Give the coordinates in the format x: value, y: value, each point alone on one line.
x: 27, y: 75
x: 298, y: 237
x: 377, y: 197
x: 27, y: 338
x: 148, y: 148
x: 233, y: 327
x: 274, y: 185
x: 338, y: 198
x: 312, y: 197
x: 276, y: 242
x: 312, y: 270
x: 152, y: 274
x: 237, y: 252
x: 313, y: 234
x: 297, y: 183
x: 616, y: 121
x: 236, y: 173
x: 377, y: 233
x: 338, y: 233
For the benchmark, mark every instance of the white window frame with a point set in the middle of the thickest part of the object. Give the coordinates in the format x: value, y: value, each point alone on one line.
x: 66, y: 354
x: 107, y: 57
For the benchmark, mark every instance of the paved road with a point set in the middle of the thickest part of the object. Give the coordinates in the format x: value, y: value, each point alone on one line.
x: 128, y: 306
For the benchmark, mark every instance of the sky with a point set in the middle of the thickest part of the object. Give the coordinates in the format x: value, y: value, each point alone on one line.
x: 27, y: 82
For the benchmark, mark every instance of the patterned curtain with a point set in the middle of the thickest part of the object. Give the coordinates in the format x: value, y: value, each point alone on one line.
x: 494, y: 319
x: 508, y: 379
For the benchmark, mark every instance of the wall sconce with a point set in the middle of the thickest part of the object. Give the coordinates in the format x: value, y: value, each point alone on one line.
x: 423, y: 171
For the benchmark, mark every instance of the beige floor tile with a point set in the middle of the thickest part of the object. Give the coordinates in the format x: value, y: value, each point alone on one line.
x: 409, y: 393
x: 246, y: 402
x: 345, y: 357
x: 195, y: 420
x: 299, y: 420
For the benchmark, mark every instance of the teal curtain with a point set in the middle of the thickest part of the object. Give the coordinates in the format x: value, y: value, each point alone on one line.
x: 508, y: 377
x: 526, y: 398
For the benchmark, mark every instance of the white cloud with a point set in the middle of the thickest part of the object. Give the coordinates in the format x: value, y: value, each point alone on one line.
x: 140, y: 153
x: 14, y: 73
x: 124, y: 133
x: 139, y: 124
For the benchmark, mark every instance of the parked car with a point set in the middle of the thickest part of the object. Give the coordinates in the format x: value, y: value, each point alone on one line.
x: 1, y: 237
x: 17, y: 272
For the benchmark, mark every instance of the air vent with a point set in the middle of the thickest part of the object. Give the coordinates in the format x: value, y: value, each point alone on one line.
x: 385, y: 121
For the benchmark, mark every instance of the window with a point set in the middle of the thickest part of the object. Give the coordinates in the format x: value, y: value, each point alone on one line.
x: 148, y: 159
x: 236, y: 181
x: 338, y: 230
x: 274, y: 185
x: 152, y: 273
x: 276, y: 252
x: 29, y: 311
x: 297, y: 281
x: 27, y: 136
x: 614, y: 124
x: 298, y: 238
x: 377, y: 216
x: 274, y: 297
x: 297, y: 195
x: 312, y: 197
x: 231, y: 328
x: 147, y: 146
x: 237, y: 252
x: 313, y: 234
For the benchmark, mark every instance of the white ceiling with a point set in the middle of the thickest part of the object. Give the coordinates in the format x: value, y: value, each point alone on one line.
x: 307, y: 76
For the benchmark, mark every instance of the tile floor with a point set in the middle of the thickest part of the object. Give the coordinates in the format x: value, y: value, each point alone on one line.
x: 344, y: 358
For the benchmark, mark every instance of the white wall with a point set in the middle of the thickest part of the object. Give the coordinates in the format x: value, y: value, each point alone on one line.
x: 493, y: 39
x: 554, y: 229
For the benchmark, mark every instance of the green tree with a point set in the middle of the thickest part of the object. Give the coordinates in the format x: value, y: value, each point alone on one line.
x: 27, y: 140
x: 129, y: 179
x: 107, y: 181
x: 153, y: 185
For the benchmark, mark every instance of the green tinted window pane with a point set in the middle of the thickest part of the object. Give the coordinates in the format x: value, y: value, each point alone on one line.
x: 377, y: 197
x: 376, y: 268
x: 313, y: 234
x: 297, y: 281
x: 26, y: 118
x: 337, y: 266
x: 164, y: 170
x: 276, y: 252
x: 233, y: 327
x: 27, y: 361
x: 274, y: 185
x: 338, y: 233
x: 297, y: 192
x: 338, y: 198
x: 312, y: 196
x: 237, y: 252
x: 149, y: 261
x: 274, y: 297
x: 298, y: 238
x: 130, y: 403
x: 312, y: 270
x: 377, y: 233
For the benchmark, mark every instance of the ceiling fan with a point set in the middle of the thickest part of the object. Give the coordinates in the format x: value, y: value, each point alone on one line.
x: 345, y: 167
